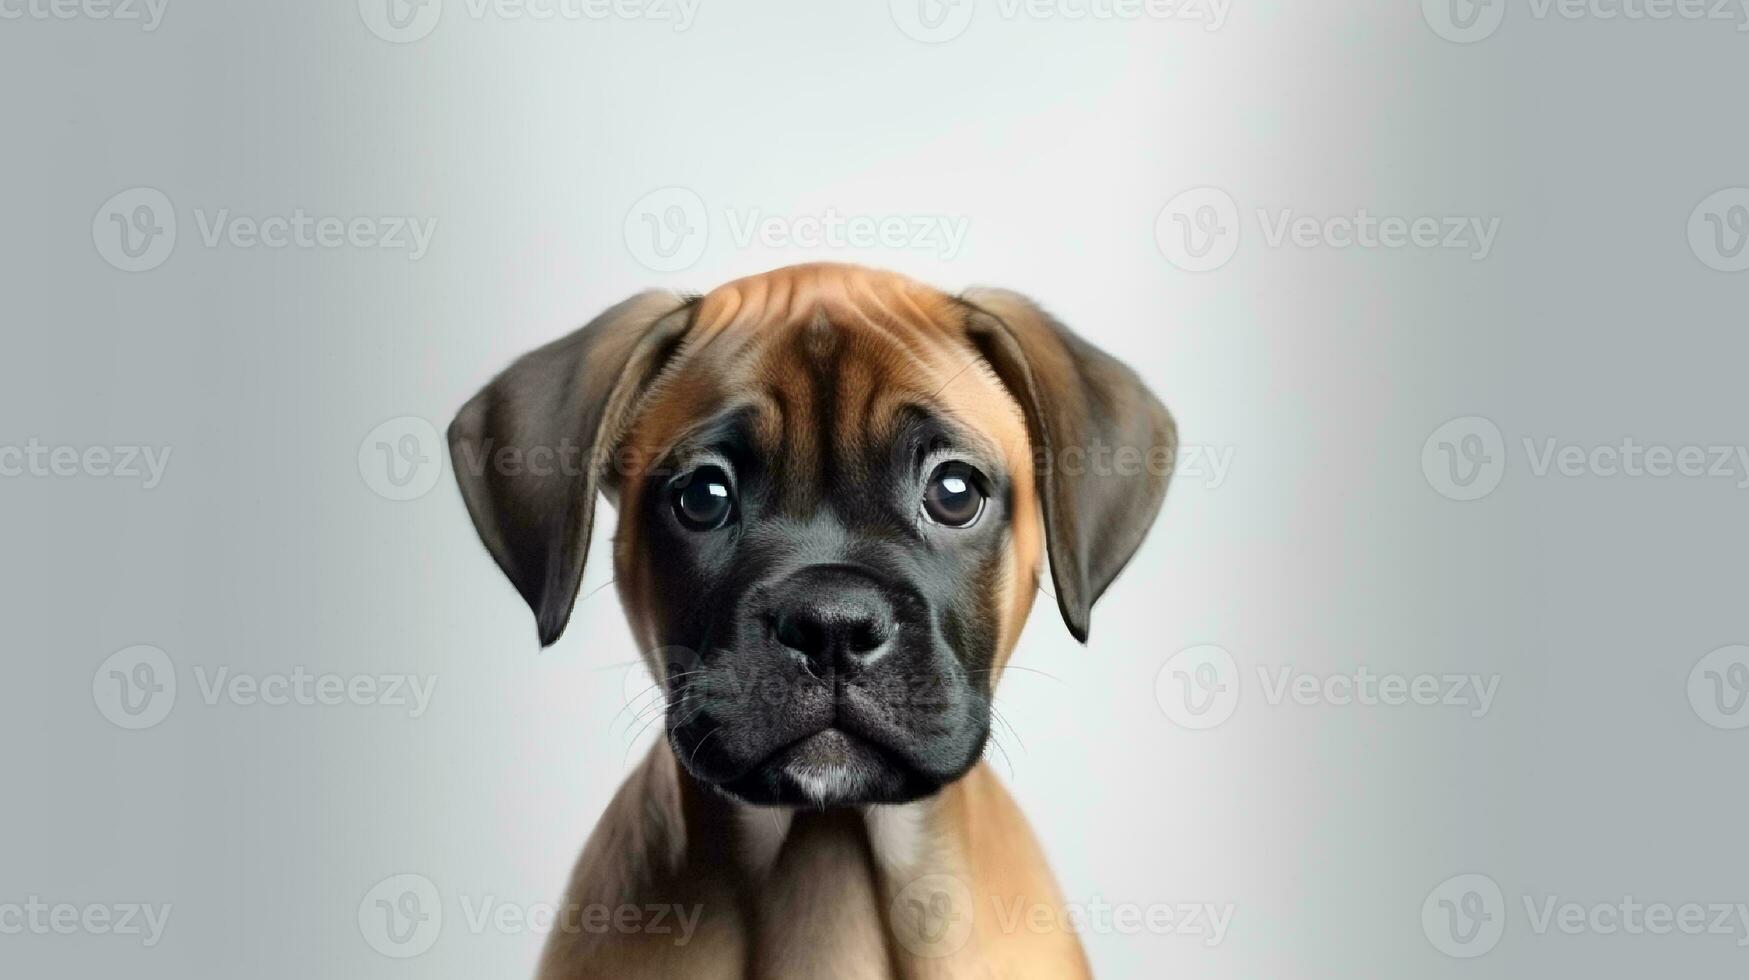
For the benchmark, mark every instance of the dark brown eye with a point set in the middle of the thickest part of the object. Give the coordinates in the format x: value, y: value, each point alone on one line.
x: 952, y: 497
x: 703, y: 499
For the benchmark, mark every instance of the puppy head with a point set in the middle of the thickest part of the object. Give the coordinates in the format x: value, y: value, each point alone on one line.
x: 835, y: 489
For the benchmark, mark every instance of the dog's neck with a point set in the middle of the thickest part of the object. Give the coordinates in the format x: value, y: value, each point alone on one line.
x: 802, y: 892
x: 901, y: 839
x: 898, y: 835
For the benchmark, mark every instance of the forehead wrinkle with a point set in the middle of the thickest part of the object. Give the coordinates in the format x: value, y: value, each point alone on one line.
x: 893, y: 340
x: 967, y: 432
x: 861, y: 378
x: 713, y: 430
x: 908, y: 328
x: 906, y: 296
x: 769, y: 413
x: 845, y: 293
x: 716, y: 311
x: 787, y: 381
x: 979, y: 403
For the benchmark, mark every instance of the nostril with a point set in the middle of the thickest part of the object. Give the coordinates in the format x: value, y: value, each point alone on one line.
x: 832, y: 633
x: 866, y: 635
x: 798, y: 633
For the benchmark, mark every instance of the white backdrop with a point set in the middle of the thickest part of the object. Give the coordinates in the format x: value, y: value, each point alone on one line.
x: 262, y: 241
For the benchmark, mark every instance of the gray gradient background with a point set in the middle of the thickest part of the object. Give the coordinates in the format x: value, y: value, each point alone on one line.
x: 1323, y: 371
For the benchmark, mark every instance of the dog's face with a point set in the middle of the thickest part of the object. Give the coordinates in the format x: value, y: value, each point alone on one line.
x: 835, y: 533
x: 834, y: 488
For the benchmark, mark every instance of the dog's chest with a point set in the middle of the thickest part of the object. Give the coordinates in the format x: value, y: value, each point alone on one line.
x: 820, y: 910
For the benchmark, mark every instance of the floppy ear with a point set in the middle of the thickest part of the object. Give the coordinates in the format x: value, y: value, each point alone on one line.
x: 531, y: 449
x: 1103, y: 445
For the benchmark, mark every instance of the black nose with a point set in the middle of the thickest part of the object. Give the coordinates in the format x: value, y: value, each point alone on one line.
x: 837, y: 620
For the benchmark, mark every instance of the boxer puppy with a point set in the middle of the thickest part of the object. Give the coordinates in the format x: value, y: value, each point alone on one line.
x: 836, y: 490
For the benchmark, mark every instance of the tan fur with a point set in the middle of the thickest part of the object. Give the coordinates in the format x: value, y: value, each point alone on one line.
x: 827, y: 901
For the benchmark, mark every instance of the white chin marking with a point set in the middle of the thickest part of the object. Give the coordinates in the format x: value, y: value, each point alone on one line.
x: 821, y: 783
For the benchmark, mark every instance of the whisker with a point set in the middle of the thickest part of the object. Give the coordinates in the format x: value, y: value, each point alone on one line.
x: 707, y: 737
x: 637, y: 704
x: 644, y: 713
x: 642, y: 729
x: 999, y: 671
x: 996, y: 743
x: 956, y: 374
x: 999, y: 716
x: 598, y: 588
